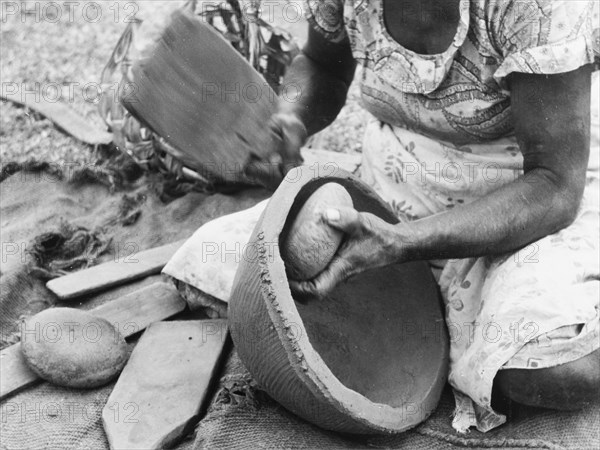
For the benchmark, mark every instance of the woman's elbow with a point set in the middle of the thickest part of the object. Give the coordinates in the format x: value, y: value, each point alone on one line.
x: 566, y: 208
x: 562, y: 193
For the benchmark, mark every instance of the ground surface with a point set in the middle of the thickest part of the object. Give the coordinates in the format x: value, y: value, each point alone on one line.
x: 44, y: 49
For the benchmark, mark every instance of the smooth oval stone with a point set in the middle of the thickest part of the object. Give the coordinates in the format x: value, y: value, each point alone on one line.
x: 311, y: 243
x: 73, y: 348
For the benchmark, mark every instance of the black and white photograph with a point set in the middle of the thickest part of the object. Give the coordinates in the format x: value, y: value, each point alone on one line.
x: 299, y: 224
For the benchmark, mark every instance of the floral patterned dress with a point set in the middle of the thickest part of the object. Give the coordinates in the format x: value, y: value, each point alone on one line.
x: 442, y: 136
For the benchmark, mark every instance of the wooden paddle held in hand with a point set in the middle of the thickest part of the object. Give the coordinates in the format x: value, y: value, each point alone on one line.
x: 204, y: 100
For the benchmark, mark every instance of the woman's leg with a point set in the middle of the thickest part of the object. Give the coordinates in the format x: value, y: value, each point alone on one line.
x: 527, y: 323
x: 569, y: 386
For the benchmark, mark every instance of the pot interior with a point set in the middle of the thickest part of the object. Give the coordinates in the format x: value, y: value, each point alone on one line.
x: 381, y: 333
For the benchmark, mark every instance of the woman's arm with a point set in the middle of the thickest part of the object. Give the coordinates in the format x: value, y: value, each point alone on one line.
x: 323, y: 72
x: 552, y: 125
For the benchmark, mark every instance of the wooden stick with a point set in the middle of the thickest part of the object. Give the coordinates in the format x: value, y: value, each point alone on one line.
x: 129, y: 314
x: 65, y: 117
x: 113, y: 273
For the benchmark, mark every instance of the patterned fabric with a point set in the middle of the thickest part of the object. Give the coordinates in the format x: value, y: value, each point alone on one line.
x: 460, y: 95
x: 443, y: 136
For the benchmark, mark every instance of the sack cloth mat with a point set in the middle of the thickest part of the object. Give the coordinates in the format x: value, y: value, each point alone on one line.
x: 49, y: 216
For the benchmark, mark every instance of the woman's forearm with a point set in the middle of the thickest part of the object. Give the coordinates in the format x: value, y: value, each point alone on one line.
x: 553, y: 132
x: 321, y: 94
x: 505, y: 220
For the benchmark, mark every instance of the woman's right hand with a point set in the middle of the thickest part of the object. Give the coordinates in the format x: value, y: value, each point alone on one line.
x: 288, y: 135
x: 322, y: 72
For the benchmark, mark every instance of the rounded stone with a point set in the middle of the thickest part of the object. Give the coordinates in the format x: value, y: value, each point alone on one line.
x: 73, y: 348
x: 311, y: 242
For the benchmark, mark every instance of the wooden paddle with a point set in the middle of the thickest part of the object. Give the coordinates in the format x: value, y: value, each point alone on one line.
x: 162, y: 391
x: 113, y: 273
x: 66, y: 118
x: 204, y: 99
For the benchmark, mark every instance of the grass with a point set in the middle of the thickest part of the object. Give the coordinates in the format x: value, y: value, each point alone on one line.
x: 40, y: 51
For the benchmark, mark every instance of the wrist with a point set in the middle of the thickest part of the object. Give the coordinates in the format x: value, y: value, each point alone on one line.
x: 292, y: 125
x: 292, y: 110
x: 406, y: 243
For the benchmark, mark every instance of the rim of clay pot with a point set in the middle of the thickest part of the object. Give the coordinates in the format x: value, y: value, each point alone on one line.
x: 306, y: 361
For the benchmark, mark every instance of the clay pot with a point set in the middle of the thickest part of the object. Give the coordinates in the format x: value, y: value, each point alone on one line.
x: 369, y: 359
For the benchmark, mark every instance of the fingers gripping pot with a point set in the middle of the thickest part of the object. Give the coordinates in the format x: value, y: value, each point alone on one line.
x: 370, y: 358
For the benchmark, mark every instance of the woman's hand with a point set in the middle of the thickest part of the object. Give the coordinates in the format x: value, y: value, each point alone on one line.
x: 321, y: 74
x: 369, y: 242
x: 288, y: 135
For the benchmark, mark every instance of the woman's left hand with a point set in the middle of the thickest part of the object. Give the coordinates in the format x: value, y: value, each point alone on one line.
x: 369, y: 242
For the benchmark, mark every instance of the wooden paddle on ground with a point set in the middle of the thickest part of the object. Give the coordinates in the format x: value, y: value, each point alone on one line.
x: 113, y: 273
x: 63, y: 116
x: 165, y: 383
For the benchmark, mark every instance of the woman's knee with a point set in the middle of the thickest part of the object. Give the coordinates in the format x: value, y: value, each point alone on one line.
x: 568, y: 386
